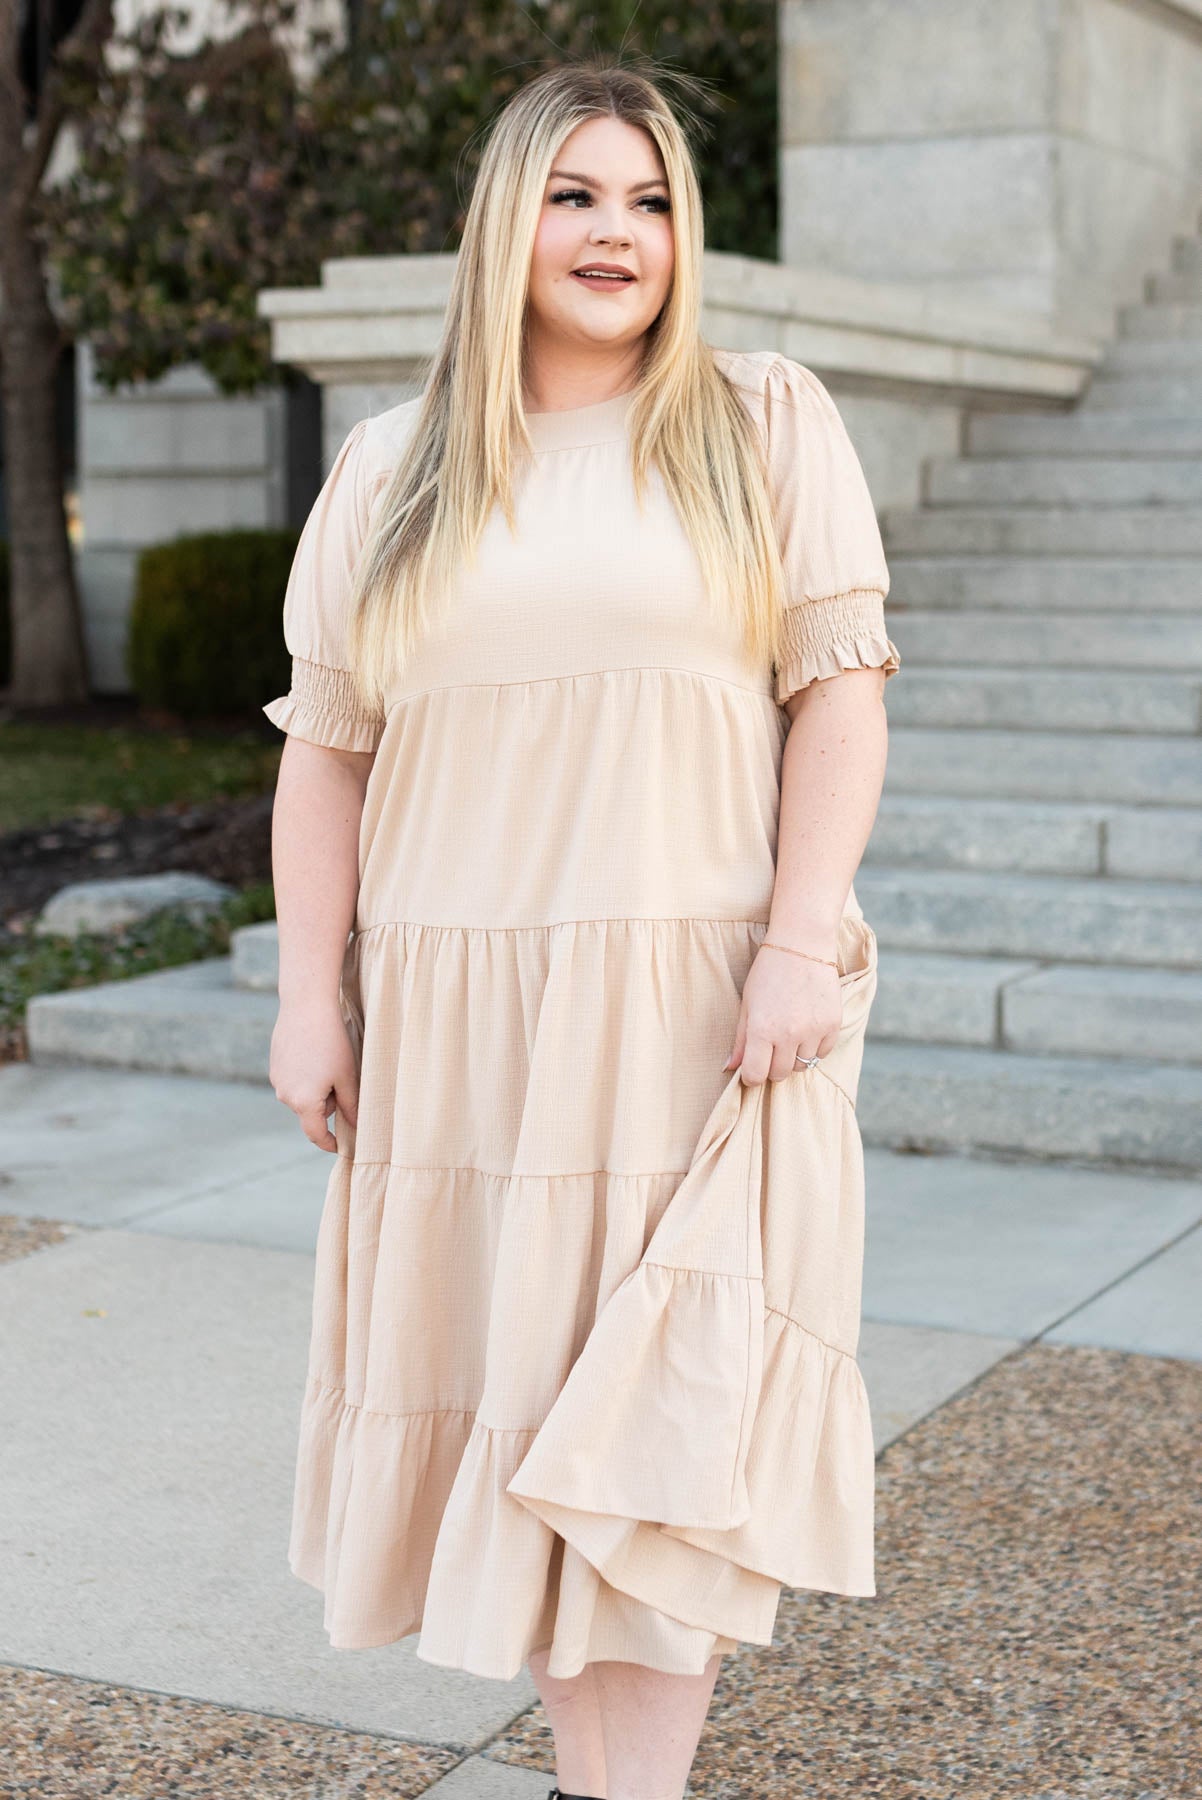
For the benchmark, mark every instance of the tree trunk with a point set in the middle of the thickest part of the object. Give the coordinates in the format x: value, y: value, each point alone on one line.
x: 49, y: 665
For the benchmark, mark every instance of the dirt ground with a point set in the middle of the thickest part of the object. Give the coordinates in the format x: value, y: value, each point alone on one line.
x: 229, y: 840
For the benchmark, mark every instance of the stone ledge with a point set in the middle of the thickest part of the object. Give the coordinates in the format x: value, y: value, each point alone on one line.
x: 376, y: 319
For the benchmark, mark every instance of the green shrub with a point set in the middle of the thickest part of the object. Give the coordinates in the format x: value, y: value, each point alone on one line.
x: 205, y: 637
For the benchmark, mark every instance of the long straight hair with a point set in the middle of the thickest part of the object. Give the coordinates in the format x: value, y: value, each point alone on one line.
x: 685, y: 414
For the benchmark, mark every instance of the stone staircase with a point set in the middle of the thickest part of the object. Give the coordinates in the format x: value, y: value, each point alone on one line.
x: 1035, y: 872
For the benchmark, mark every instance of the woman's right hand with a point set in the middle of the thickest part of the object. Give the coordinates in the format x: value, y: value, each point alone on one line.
x: 312, y: 1068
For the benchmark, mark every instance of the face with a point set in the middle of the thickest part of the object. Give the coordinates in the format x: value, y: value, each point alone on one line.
x: 606, y: 202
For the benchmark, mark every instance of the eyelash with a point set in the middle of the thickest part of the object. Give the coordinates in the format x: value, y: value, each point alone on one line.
x: 658, y: 201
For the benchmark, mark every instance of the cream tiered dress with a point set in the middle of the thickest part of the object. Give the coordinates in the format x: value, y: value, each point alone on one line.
x: 583, y: 1359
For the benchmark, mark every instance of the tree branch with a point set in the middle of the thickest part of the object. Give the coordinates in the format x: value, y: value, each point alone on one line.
x: 90, y: 33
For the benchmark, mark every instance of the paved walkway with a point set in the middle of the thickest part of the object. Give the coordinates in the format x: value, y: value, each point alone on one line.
x: 1032, y: 1347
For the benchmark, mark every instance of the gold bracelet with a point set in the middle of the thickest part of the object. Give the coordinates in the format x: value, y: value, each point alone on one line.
x: 765, y: 945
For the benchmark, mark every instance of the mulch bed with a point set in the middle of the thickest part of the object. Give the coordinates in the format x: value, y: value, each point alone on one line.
x: 229, y: 840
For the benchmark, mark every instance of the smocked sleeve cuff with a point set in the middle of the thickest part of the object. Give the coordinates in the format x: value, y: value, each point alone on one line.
x: 324, y: 706
x: 823, y: 637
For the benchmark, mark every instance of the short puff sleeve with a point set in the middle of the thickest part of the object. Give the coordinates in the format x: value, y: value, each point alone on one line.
x: 836, y: 577
x: 324, y: 704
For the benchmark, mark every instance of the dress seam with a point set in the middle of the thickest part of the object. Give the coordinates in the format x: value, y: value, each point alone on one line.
x: 650, y: 1262
x: 415, y: 1412
x: 809, y: 1332
x: 367, y: 1162
x: 839, y: 1089
x: 559, y: 924
x: 458, y: 687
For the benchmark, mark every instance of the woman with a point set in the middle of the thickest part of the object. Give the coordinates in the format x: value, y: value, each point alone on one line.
x: 585, y: 741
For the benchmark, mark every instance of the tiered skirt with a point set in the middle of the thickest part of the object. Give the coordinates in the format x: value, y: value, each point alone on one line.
x: 582, y: 1372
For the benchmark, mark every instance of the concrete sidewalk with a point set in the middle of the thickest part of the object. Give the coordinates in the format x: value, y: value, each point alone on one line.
x: 153, y: 1355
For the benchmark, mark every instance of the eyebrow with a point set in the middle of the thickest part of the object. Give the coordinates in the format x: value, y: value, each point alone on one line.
x: 571, y: 175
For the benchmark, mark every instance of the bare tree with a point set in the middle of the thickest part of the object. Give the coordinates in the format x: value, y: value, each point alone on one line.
x: 48, y: 661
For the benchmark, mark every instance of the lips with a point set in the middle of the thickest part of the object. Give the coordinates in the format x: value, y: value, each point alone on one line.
x: 607, y: 274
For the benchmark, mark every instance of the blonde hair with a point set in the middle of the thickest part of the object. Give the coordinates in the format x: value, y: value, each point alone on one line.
x: 459, y: 461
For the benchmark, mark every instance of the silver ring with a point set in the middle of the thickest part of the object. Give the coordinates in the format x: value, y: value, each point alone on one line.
x: 806, y: 1062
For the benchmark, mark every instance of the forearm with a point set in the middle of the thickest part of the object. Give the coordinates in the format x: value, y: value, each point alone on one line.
x: 315, y: 865
x: 832, y: 772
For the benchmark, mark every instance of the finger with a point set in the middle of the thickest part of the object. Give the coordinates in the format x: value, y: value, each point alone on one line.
x: 313, y: 1123
x: 807, y: 1049
x: 740, y: 1045
x: 757, y: 1061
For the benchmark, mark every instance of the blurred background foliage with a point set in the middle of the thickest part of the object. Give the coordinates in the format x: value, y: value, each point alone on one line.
x: 204, y: 177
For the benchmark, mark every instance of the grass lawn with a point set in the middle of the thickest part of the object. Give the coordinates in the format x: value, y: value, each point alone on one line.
x: 52, y: 772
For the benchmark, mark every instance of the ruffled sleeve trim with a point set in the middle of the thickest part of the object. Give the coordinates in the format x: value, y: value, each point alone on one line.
x: 324, y: 706
x: 821, y: 638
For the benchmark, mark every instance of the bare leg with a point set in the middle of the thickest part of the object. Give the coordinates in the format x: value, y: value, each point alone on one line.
x: 575, y: 1717
x: 651, y: 1724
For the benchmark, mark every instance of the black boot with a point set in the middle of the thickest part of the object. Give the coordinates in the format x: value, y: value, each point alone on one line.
x: 558, y: 1794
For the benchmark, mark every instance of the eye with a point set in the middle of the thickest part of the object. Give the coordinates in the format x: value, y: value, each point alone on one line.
x: 656, y: 202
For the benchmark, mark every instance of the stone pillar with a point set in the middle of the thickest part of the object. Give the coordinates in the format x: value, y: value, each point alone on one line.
x: 1039, y: 154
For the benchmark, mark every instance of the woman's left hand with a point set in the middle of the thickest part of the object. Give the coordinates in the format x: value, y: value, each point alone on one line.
x: 791, y: 1007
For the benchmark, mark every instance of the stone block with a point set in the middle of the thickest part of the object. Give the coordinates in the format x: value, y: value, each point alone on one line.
x: 928, y: 1096
x: 1044, y: 584
x: 1153, y: 1014
x: 1049, y: 699
x: 1132, y: 641
x: 1062, y: 917
x: 941, y: 831
x: 110, y: 903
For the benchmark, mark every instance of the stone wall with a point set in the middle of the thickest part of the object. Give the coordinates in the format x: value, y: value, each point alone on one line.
x: 1039, y: 153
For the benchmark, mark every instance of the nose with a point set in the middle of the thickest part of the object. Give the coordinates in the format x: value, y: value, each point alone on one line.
x: 617, y: 232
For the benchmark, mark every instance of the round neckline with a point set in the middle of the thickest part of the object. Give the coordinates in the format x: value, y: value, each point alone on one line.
x: 597, y: 423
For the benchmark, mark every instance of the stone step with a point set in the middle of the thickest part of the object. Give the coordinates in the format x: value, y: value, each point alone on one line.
x: 1151, y: 1014
x: 1045, y: 765
x: 1159, y: 319
x: 1047, y: 699
x: 1155, y: 347
x: 1019, y: 584
x: 925, y: 997
x: 189, y: 1020
x: 1187, y: 255
x: 1175, y: 395
x: 193, y: 1020
x: 1156, y: 843
x: 1104, y: 640
x: 941, y: 831
x: 1062, y: 918
x: 1149, y: 531
x: 1038, y: 837
x: 934, y: 1097
x: 933, y: 997
x: 1113, y: 433
x: 255, y: 957
x: 1178, y: 284
x: 1062, y: 481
